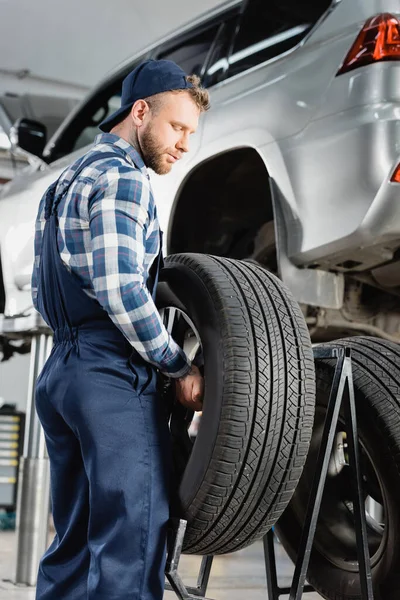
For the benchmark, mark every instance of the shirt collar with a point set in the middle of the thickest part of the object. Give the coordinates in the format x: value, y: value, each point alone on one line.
x: 116, y: 141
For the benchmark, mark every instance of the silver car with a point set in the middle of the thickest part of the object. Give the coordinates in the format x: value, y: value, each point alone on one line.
x: 297, y: 165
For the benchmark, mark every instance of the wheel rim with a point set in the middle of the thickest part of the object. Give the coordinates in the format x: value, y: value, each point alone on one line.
x: 335, y: 537
x: 182, y: 420
x: 187, y: 336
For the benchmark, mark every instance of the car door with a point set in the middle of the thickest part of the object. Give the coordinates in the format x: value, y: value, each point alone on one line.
x: 258, y: 75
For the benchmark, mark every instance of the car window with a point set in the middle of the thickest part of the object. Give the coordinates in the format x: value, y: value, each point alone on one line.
x: 91, y: 124
x: 191, y: 54
x: 270, y: 28
x: 217, y: 65
x: 82, y: 128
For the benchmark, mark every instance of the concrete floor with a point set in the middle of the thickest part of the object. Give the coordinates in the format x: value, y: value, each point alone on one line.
x: 238, y: 576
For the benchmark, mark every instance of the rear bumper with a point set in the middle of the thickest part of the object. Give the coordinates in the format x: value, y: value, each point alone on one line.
x: 340, y: 169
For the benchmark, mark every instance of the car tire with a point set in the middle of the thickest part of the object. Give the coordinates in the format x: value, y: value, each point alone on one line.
x: 333, y: 569
x: 242, y: 470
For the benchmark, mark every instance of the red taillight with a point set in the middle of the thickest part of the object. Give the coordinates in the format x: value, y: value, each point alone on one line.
x: 378, y: 40
x: 396, y: 175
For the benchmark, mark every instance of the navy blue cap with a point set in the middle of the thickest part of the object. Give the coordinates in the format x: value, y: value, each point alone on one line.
x: 147, y: 79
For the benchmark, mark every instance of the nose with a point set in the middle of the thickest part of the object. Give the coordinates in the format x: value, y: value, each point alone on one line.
x: 183, y: 143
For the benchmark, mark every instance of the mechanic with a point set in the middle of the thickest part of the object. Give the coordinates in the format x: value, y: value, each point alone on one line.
x: 97, y: 257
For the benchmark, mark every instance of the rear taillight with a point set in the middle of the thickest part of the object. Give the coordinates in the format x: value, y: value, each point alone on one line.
x: 396, y: 175
x: 378, y: 40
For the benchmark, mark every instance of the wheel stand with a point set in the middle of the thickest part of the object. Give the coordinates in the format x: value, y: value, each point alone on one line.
x: 342, y: 392
x: 175, y: 543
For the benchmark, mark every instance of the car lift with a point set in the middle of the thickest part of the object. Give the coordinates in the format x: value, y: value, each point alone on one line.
x: 342, y: 392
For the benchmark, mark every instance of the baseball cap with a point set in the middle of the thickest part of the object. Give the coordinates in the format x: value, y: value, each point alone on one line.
x: 147, y: 79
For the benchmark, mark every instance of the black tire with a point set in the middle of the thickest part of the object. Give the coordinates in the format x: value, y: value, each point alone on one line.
x: 259, y: 399
x: 333, y: 569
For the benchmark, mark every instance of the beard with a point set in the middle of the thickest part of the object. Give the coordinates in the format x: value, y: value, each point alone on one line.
x: 153, y: 153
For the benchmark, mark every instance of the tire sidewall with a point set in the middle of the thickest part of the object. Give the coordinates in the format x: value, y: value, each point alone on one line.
x: 195, y: 300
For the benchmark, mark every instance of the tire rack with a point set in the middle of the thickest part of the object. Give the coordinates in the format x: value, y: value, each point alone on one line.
x: 342, y: 392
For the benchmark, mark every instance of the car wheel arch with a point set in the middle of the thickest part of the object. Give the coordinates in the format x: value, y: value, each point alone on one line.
x: 225, y: 193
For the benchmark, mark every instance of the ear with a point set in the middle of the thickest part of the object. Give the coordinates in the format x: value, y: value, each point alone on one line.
x: 139, y: 111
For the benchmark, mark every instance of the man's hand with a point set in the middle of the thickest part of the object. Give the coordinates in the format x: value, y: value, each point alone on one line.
x: 190, y: 389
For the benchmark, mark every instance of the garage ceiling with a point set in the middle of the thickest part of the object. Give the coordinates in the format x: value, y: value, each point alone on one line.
x: 76, y: 43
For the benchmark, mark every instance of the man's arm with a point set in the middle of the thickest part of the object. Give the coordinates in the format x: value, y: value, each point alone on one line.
x: 119, y: 207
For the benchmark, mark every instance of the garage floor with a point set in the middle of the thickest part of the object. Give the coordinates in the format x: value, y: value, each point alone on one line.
x: 239, y: 576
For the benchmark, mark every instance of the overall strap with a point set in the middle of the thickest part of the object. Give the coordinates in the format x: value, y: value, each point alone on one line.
x: 155, y: 269
x: 53, y: 199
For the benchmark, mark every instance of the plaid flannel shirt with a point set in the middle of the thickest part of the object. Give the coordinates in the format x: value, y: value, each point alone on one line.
x: 109, y: 236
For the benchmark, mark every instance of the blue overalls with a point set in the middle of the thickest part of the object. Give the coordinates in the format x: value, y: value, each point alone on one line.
x: 108, y: 442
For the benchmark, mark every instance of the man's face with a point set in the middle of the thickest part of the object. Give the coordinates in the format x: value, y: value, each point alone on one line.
x: 164, y: 135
